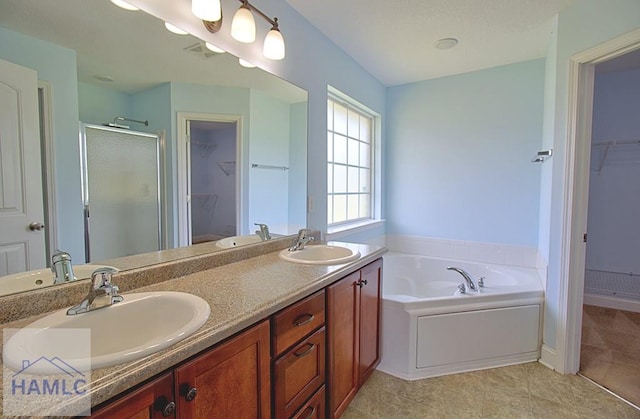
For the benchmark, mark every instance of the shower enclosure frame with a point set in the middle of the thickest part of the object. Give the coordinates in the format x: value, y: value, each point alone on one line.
x: 84, y: 178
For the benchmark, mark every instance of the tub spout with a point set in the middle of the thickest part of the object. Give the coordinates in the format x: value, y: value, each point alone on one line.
x: 466, y: 276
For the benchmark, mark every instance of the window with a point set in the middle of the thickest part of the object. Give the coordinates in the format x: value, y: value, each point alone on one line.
x: 350, y: 134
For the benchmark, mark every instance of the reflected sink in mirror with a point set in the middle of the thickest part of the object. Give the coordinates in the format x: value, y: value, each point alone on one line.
x: 31, y: 280
x: 321, y: 254
x: 142, y: 324
x: 235, y: 241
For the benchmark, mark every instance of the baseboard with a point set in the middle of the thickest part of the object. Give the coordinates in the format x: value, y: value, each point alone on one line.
x: 548, y: 357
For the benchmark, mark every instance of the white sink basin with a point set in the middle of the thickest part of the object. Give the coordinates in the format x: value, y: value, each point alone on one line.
x: 142, y: 324
x: 31, y: 280
x: 234, y: 241
x: 321, y: 254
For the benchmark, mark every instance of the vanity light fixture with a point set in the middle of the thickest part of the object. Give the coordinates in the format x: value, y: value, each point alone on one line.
x: 174, y: 29
x: 124, y: 5
x: 243, y: 28
x: 209, y: 10
x: 245, y: 63
x: 214, y: 48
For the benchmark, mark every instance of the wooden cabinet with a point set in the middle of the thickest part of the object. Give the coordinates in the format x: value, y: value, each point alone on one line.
x: 314, y: 354
x: 299, y: 355
x: 353, y: 324
x: 151, y: 401
x: 232, y: 380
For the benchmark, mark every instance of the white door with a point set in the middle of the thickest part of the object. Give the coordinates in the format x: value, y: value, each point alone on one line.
x: 22, y: 238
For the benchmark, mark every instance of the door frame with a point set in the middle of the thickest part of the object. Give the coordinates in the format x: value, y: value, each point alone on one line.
x: 576, y: 200
x: 184, y: 169
x: 47, y: 152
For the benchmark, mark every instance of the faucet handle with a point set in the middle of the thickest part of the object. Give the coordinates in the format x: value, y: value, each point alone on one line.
x: 101, y: 278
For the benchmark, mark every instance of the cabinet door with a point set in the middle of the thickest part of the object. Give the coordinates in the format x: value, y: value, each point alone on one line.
x: 230, y: 381
x: 151, y: 401
x: 342, y: 346
x: 371, y: 283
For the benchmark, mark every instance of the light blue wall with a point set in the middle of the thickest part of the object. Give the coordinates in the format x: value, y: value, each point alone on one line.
x: 458, y: 156
x: 585, y: 24
x: 298, y: 167
x: 57, y: 66
x: 99, y: 105
x: 268, y: 145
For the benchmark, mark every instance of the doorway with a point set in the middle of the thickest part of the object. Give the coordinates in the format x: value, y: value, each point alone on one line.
x: 208, y: 177
x: 611, y: 311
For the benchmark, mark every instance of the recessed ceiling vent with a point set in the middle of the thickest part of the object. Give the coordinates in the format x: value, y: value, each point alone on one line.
x: 201, y: 50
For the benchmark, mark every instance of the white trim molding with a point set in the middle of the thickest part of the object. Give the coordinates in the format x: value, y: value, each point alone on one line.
x: 548, y: 357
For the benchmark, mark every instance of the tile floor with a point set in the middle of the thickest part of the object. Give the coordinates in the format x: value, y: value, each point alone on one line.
x: 610, y: 350
x: 519, y: 391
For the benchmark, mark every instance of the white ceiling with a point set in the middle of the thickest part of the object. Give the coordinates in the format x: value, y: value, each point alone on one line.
x: 395, y: 40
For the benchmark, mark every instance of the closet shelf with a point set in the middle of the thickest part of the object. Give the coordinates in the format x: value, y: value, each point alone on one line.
x: 608, y: 145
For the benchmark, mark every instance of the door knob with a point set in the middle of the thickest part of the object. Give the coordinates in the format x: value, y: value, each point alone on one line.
x: 36, y: 226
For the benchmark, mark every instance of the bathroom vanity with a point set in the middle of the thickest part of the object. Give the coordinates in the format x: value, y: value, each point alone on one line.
x: 283, y: 340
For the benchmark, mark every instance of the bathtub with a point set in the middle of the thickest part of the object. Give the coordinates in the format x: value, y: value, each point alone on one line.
x: 430, y: 328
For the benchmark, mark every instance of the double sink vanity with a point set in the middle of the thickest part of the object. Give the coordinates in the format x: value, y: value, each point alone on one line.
x: 253, y: 331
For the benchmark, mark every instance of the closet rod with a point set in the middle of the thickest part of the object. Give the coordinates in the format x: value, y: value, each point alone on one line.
x: 268, y: 166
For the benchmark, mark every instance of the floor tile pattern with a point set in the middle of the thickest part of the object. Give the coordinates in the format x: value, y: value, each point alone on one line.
x: 520, y: 391
x: 610, y: 350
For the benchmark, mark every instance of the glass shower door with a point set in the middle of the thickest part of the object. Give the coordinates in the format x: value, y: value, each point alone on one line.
x: 121, y: 192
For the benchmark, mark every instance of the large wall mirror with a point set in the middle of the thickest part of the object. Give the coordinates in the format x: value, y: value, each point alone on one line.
x: 231, y: 140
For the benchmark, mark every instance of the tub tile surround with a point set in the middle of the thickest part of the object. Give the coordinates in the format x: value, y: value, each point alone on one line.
x: 492, y: 253
x: 244, y: 286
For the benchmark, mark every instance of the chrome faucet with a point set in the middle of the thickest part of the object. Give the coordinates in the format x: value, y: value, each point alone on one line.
x: 301, y: 240
x: 466, y: 276
x: 102, y: 293
x: 61, y: 267
x: 263, y: 232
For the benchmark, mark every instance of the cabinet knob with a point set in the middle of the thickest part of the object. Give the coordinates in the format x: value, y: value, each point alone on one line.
x: 361, y: 283
x: 169, y: 409
x: 165, y: 406
x: 191, y: 394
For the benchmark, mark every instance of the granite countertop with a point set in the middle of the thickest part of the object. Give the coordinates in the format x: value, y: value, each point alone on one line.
x: 239, y: 294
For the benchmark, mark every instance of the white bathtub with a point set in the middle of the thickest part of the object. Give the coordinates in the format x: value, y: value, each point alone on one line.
x: 429, y: 328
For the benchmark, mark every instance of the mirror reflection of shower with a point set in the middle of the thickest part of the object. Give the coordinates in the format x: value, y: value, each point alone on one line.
x: 121, y: 192
x: 212, y: 174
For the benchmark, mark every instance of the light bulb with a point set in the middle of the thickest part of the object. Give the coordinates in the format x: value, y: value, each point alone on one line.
x: 208, y: 10
x: 273, y: 45
x: 124, y: 5
x: 214, y: 48
x: 174, y: 29
x: 243, y: 26
x: 245, y: 63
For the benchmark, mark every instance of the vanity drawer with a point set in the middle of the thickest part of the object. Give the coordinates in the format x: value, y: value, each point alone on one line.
x: 313, y: 408
x: 298, y: 374
x: 297, y: 321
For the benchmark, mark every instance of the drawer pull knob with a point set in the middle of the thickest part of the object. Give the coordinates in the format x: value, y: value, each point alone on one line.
x: 169, y: 409
x: 310, y: 415
x: 191, y: 394
x: 305, y: 352
x: 303, y: 319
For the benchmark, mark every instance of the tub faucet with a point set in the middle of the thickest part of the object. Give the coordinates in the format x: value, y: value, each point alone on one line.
x: 263, y: 232
x: 102, y: 293
x: 61, y: 267
x: 301, y: 240
x: 466, y: 276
